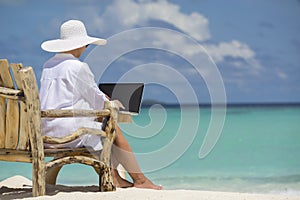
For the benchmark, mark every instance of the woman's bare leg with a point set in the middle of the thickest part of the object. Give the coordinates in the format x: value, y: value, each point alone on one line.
x: 124, y: 155
x: 118, y: 180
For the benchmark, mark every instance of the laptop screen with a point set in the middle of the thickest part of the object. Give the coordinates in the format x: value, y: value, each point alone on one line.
x: 129, y: 94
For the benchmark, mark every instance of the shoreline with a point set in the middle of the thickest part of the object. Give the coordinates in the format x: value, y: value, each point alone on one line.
x: 228, y: 104
x: 19, y: 187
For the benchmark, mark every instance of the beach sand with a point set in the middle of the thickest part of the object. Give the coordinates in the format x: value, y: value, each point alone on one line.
x: 18, y: 187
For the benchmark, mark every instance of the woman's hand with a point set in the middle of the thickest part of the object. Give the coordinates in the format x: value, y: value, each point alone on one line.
x: 119, y: 103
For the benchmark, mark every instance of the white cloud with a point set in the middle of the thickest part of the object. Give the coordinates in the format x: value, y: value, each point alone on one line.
x: 123, y: 15
x: 126, y: 14
x: 233, y: 49
x: 281, y: 75
x: 237, y: 50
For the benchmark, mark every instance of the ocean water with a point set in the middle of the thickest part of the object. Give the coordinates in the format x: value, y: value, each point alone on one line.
x: 258, y: 150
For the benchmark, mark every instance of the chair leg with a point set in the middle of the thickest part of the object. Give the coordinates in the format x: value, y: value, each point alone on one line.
x: 38, y: 178
x: 106, y: 182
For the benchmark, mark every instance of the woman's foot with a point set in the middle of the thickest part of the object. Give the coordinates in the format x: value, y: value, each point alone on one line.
x: 146, y: 184
x: 120, y: 182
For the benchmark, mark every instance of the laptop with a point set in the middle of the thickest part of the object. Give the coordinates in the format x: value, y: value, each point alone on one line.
x: 129, y: 94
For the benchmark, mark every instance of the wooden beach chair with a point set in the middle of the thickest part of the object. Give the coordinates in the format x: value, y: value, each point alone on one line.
x: 21, y: 139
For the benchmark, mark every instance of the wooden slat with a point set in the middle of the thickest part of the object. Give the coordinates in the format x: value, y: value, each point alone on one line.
x: 35, y: 131
x: 23, y: 128
x: 16, y: 158
x: 76, y: 134
x: 76, y: 159
x: 12, y: 112
x: 12, y: 155
x: 61, y: 152
x: 74, y: 113
x: 11, y: 93
x: 2, y: 117
x: 2, y: 122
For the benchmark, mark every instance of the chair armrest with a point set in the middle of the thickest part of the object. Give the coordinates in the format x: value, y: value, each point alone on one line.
x: 74, y: 113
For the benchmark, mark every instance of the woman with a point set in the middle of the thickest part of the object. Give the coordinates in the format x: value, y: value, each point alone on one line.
x: 68, y: 83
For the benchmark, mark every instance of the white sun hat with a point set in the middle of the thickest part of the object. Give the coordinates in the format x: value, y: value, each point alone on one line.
x: 73, y: 35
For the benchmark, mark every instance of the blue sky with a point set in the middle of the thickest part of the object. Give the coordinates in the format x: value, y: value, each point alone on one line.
x: 255, y: 45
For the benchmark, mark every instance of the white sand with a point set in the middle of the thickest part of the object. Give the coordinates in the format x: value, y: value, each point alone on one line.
x: 13, y: 188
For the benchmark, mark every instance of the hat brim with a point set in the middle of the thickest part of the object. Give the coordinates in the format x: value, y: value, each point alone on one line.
x: 62, y: 45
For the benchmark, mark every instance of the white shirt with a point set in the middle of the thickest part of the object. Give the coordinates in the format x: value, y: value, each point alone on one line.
x: 68, y: 83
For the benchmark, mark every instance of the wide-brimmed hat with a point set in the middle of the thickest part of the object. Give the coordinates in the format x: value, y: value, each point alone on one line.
x: 73, y: 35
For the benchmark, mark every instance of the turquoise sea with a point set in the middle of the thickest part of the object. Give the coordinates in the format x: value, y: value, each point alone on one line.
x: 258, y: 150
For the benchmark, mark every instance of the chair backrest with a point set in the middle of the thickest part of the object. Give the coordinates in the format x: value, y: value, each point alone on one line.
x: 19, y: 107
